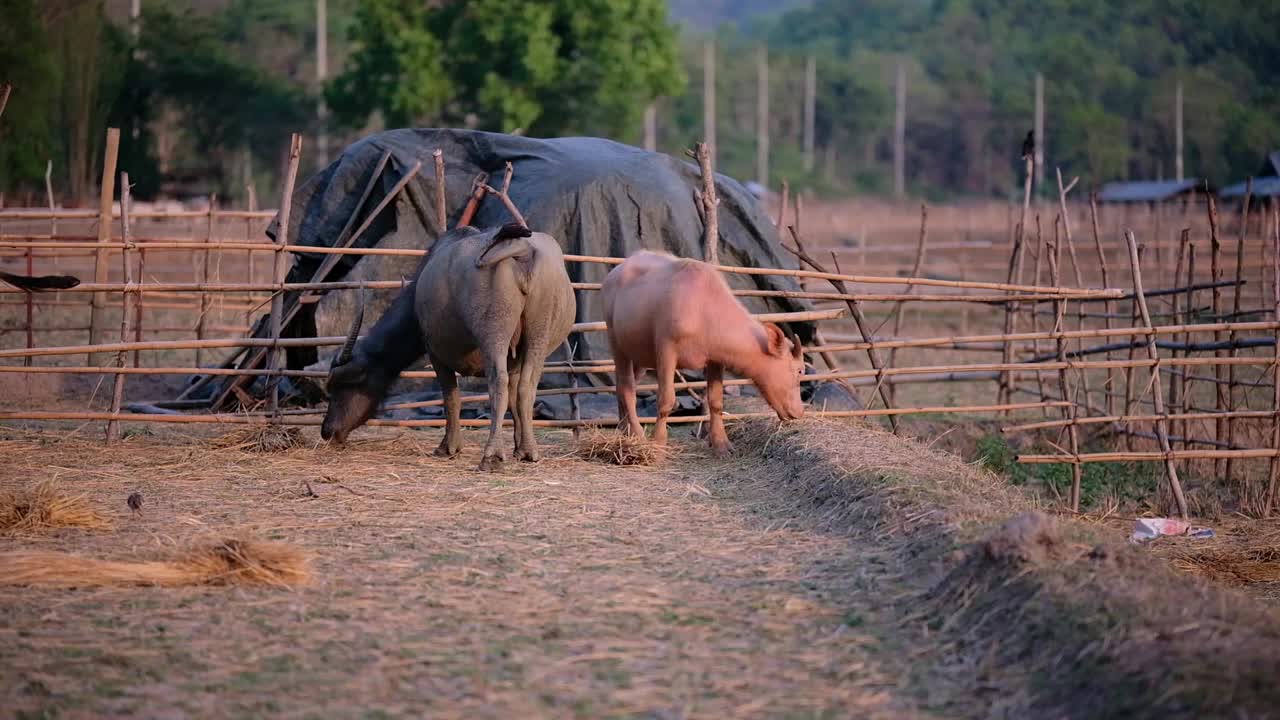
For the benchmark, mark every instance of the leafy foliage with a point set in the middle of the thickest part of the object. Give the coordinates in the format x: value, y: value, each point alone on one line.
x: 26, y: 128
x: 1110, y: 71
x: 1126, y: 482
x: 544, y: 66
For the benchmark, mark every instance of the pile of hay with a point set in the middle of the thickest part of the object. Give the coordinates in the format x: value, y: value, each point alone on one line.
x: 618, y: 448
x: 260, y: 439
x: 1235, y: 566
x: 46, y: 506
x: 226, y: 562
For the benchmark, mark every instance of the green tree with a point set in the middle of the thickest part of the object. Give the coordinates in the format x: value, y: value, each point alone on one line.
x: 27, y: 126
x: 544, y: 66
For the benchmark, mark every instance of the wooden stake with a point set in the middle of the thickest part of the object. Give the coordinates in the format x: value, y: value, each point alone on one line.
x: 1236, y: 294
x: 1130, y: 390
x: 1215, y: 270
x: 710, y: 205
x: 1041, y: 250
x: 898, y: 308
x: 1273, y: 474
x: 278, y: 273
x: 1075, y: 262
x: 1178, y: 381
x: 441, y: 206
x: 1010, y: 316
x: 1064, y: 381
x: 1162, y: 425
x: 96, y: 315
x: 117, y: 387
x: 205, y: 300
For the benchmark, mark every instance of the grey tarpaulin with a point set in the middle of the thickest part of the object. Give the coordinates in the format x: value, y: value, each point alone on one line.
x: 597, y: 197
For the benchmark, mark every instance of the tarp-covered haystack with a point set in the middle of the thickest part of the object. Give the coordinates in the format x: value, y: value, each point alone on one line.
x: 597, y: 197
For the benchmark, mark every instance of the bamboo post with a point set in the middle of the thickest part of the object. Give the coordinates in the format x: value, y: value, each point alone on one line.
x: 1178, y: 382
x: 575, y: 407
x: 442, y: 209
x: 277, y: 299
x: 899, y: 306
x: 1010, y: 316
x: 1186, y: 336
x: 1075, y: 262
x: 97, y: 315
x: 30, y: 303
x: 1130, y: 390
x: 1215, y: 270
x: 137, y: 302
x: 1041, y: 249
x: 117, y: 386
x: 1064, y: 380
x: 710, y: 205
x: 1273, y: 474
x: 1236, y: 294
x: 1109, y: 308
x: 248, y: 236
x: 1162, y: 425
x: 205, y: 300
x: 5, y: 90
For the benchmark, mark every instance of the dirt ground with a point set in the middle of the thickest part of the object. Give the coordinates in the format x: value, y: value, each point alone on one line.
x: 563, y: 589
x: 827, y: 570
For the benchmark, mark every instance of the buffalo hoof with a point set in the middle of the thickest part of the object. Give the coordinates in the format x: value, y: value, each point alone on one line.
x: 531, y: 456
x: 491, y: 463
x: 444, y: 451
x: 722, y: 450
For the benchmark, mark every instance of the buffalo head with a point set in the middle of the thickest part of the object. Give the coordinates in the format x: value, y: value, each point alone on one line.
x: 355, y: 387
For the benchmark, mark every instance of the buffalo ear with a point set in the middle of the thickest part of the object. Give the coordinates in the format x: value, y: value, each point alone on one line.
x: 777, y: 340
x: 352, y: 373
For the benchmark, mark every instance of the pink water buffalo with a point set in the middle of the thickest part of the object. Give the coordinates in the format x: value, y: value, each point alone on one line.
x: 665, y: 313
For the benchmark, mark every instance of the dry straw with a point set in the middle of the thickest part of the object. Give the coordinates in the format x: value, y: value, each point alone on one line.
x: 619, y: 448
x: 1235, y: 566
x: 46, y: 506
x: 260, y: 439
x: 225, y: 562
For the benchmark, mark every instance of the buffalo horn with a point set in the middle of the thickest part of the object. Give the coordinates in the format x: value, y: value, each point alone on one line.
x: 344, y: 356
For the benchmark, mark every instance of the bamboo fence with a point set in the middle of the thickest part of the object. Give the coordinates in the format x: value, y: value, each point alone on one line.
x: 1213, y: 322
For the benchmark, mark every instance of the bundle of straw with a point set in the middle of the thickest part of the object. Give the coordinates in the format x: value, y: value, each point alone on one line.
x: 260, y: 439
x: 46, y: 506
x: 226, y: 562
x: 618, y: 448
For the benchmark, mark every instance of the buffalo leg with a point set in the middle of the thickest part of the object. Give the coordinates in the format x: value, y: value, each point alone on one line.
x: 451, y: 445
x: 715, y: 409
x: 666, y: 371
x: 499, y: 380
x: 625, y: 374
x: 513, y: 393
x: 526, y: 394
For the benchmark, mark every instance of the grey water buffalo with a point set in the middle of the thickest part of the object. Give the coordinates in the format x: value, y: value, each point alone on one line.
x: 490, y: 304
x: 665, y: 313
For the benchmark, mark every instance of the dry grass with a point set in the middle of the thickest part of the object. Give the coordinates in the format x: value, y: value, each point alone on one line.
x: 858, y: 476
x: 1237, y: 566
x: 618, y: 448
x: 564, y: 588
x: 235, y: 561
x: 260, y: 439
x: 45, y: 506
